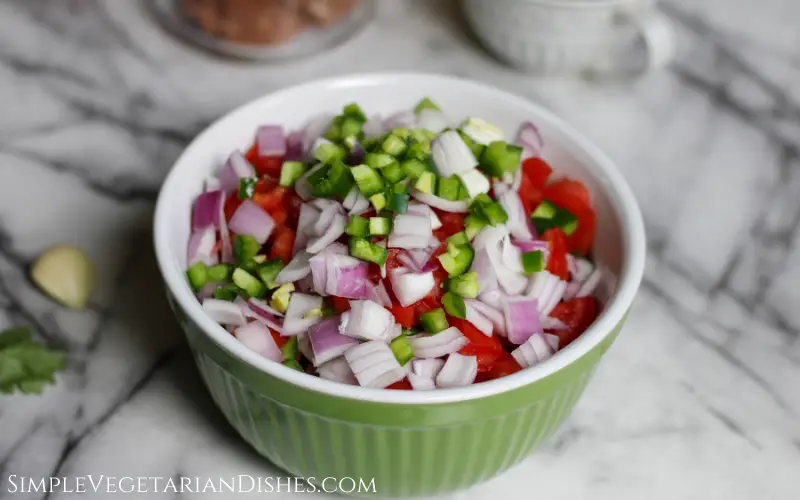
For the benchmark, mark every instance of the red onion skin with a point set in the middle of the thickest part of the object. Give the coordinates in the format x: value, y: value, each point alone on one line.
x: 206, y: 211
x: 270, y: 141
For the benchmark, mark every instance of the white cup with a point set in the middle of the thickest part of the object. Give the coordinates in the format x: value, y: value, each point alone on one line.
x: 601, y: 38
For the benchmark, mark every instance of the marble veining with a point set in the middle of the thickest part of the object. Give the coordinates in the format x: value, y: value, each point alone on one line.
x: 699, y: 398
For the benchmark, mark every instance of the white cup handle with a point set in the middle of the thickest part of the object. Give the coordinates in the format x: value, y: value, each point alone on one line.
x: 658, y: 35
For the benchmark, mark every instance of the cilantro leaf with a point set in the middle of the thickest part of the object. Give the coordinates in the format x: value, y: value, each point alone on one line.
x: 26, y: 365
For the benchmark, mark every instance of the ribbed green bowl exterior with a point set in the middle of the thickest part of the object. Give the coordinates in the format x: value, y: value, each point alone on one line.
x: 409, y: 450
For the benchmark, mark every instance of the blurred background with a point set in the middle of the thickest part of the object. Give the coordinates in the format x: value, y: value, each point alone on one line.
x: 698, y: 101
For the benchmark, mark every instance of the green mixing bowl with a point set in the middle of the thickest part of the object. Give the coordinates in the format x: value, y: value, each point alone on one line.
x: 398, y: 443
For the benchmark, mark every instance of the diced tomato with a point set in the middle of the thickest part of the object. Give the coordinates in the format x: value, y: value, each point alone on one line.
x: 278, y: 338
x: 406, y: 316
x: 537, y: 171
x: 504, y: 365
x: 282, y: 244
x: 530, y: 195
x: 264, y: 165
x: 231, y: 204
x: 402, y: 385
x: 340, y: 304
x: 429, y: 303
x: 292, y: 204
x: 452, y: 223
x: 557, y: 261
x: 272, y: 200
x: 486, y: 349
x: 577, y: 314
x: 572, y: 195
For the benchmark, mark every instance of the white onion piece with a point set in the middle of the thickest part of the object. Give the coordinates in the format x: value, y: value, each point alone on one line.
x: 415, y: 208
x: 224, y: 312
x: 482, y: 131
x: 551, y: 323
x: 337, y: 370
x: 258, y: 338
x: 431, y: 119
x: 201, y: 247
x: 300, y: 304
x: 479, y: 321
x: 482, y: 266
x: 522, y: 319
x: 314, y: 128
x: 588, y: 287
x: 461, y: 207
x: 582, y: 268
x: 403, y: 119
x: 516, y: 183
x: 419, y: 383
x: 325, y: 219
x: 451, y: 155
x: 517, y: 219
x: 302, y: 186
x: 474, y: 182
x: 298, y: 268
x: 395, y: 331
x: 494, y: 315
x: 458, y: 371
x: 547, y: 289
x: 369, y: 320
x: 427, y: 368
x: 555, y: 298
x: 378, y: 293
x: 412, y: 225
x: 252, y: 220
x: 374, y: 364
x: 500, y: 188
x: 445, y: 342
x: 571, y: 290
x: 408, y: 242
x: 336, y: 229
x: 326, y: 341
x: 512, y: 257
x: 530, y: 139
x: 410, y: 287
x: 493, y: 298
x: 535, y: 350
x: 552, y: 341
x: 355, y: 202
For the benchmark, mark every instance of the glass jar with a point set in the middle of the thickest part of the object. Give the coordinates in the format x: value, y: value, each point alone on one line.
x: 264, y: 29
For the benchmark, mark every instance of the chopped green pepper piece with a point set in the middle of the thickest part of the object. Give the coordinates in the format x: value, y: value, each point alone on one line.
x: 378, y: 201
x: 426, y: 103
x: 337, y: 182
x: 249, y: 283
x: 398, y: 202
x: 290, y: 172
x: 247, y: 186
x: 402, y: 133
x: 476, y: 147
x: 547, y: 216
x: 414, y: 168
x: 353, y: 110
x: 465, y: 285
x: 245, y: 247
x: 423, y: 135
x: 372, y: 144
x: 380, y: 226
x: 569, y: 227
x: 318, y: 174
x: 197, y: 276
x: 426, y: 183
x: 419, y: 150
x: 368, y: 180
x: 329, y: 153
x: 393, y: 172
x: 449, y: 188
x: 290, y: 349
x: 545, y: 210
x: 227, y: 292
x: 533, y: 262
x: 457, y: 260
x: 364, y: 250
x: 334, y: 132
x: 473, y: 225
x: 293, y: 364
x: 269, y: 271
x: 219, y: 273
x: 454, y: 305
x: 401, y: 348
x: 357, y: 226
x: 458, y: 239
x: 394, y: 145
x: 488, y: 210
x: 378, y: 160
x: 434, y: 321
x: 500, y: 157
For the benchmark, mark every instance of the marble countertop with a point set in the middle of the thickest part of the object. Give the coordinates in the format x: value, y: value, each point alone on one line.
x: 699, y: 398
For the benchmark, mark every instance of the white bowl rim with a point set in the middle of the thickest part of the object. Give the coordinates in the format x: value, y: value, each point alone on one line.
x: 620, y: 197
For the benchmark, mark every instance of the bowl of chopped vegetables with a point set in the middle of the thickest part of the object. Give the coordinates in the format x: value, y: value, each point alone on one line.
x: 382, y: 285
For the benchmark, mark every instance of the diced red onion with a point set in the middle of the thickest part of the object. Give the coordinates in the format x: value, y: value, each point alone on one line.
x: 302, y: 187
x: 403, y: 119
x: 378, y: 293
x: 419, y: 383
x: 369, y: 320
x: 294, y: 146
x: 305, y: 285
x: 571, y: 290
x: 319, y: 266
x: 478, y: 320
x: 328, y: 212
x: 492, y: 313
x: 326, y: 341
x: 445, y: 342
x: 558, y: 294
x: 207, y: 210
x: 410, y: 287
x: 552, y: 341
x: 551, y: 323
x: 535, y: 350
x: 431, y: 119
x: 451, y: 155
x: 201, y: 247
x: 212, y: 184
x: 512, y: 257
x: 309, y: 215
x: 494, y: 242
x: 355, y: 202
x: 500, y: 188
x: 374, y: 127
x: 357, y: 153
x: 408, y: 242
x: 304, y: 346
x: 337, y: 370
x: 458, y: 371
x: 336, y: 229
x: 252, y: 220
x: 255, y: 312
x: 482, y: 266
x: 517, y: 182
x: 427, y: 367
x: 270, y: 141
x: 522, y: 319
x: 225, y: 236
x: 374, y: 364
x: 298, y: 268
x: 548, y: 289
x: 224, y: 312
x: 297, y: 318
x: 440, y: 203
x: 262, y: 305
x: 237, y: 167
x: 530, y: 139
x: 532, y: 246
x: 517, y: 219
x: 395, y: 331
x: 346, y: 276
x: 258, y: 338
x: 314, y: 128
x: 589, y: 286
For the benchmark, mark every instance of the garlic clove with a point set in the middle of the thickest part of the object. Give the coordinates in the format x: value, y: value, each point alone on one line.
x: 65, y: 274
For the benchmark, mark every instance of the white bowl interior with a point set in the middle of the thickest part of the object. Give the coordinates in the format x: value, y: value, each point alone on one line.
x: 619, y: 244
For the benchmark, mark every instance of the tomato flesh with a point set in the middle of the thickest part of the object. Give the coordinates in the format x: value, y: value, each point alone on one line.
x: 577, y: 314
x: 557, y: 261
x: 282, y: 245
